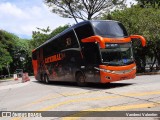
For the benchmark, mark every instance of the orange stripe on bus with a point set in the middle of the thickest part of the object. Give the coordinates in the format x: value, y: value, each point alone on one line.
x: 102, y: 40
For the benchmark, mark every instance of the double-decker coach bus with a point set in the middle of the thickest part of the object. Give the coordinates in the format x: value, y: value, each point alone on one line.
x: 91, y: 51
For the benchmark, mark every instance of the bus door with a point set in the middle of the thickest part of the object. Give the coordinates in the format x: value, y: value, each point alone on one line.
x: 92, y: 60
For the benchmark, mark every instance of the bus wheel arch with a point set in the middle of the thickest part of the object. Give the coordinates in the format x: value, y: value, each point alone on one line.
x: 80, y: 79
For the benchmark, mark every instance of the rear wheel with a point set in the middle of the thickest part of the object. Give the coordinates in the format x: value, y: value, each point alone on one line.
x: 46, y: 79
x: 81, y: 80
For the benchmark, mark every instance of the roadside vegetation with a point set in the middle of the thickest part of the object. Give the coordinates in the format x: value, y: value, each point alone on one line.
x: 142, y: 21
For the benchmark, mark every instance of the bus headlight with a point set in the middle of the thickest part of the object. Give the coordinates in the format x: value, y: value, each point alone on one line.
x: 109, y: 71
x: 104, y: 70
x: 134, y: 68
x: 116, y: 72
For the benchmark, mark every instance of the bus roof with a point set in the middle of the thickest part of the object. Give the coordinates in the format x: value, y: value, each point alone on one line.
x: 70, y: 28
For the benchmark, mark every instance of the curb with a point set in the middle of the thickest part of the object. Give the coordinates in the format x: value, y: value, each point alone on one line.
x: 13, y: 86
x: 9, y: 82
x: 150, y: 73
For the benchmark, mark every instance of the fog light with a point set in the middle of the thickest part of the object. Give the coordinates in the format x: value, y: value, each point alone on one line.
x: 109, y: 78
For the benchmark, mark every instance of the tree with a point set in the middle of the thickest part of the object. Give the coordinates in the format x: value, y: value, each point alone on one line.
x: 82, y: 9
x: 147, y: 3
x: 7, y: 42
x: 39, y: 37
x: 22, y: 55
x: 143, y: 21
x: 58, y: 30
x: 15, y: 52
x: 5, y: 58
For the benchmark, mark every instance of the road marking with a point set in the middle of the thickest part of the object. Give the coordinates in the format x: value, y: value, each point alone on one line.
x: 16, y: 118
x: 75, y: 101
x: 94, y: 99
x: 143, y: 94
x: 52, y: 96
x: 64, y: 94
x: 113, y: 108
x: 48, y: 97
x: 97, y: 98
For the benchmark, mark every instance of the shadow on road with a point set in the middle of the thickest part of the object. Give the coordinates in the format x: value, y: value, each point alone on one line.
x: 89, y: 86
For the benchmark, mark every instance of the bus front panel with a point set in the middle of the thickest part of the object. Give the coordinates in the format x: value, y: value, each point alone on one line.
x: 117, y: 62
x: 112, y: 73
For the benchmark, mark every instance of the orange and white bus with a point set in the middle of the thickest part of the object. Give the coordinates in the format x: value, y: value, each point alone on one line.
x: 91, y: 51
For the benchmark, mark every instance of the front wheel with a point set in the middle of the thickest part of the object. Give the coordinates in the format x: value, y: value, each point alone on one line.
x: 81, y: 80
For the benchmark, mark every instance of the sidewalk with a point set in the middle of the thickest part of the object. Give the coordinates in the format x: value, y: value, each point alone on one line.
x: 10, y: 82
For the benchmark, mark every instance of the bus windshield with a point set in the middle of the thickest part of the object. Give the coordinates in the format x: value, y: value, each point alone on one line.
x: 117, y: 54
x: 109, y: 29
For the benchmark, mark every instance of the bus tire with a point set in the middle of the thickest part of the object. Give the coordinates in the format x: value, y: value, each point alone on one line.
x: 80, y: 78
x: 41, y: 78
x: 46, y: 79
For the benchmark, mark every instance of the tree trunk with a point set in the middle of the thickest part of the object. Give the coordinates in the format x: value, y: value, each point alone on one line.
x: 151, y: 68
x: 70, y: 8
x: 8, y: 70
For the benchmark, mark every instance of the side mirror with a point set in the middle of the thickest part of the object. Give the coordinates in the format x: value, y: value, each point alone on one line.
x: 138, y: 37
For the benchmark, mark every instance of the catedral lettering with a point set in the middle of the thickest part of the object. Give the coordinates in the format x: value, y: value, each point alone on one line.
x: 54, y: 58
x: 91, y: 51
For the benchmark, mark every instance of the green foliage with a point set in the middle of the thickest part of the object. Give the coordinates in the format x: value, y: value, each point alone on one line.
x: 142, y: 21
x: 149, y: 3
x: 82, y: 9
x: 14, y: 52
x: 58, y: 30
x: 7, y: 42
x: 22, y: 53
x: 39, y: 37
x: 5, y: 58
x: 42, y: 35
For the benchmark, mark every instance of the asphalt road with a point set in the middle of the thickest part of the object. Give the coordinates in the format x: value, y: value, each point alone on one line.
x: 136, y: 95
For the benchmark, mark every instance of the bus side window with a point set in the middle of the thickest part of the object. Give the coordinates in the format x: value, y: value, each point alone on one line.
x: 47, y: 50
x: 51, y: 48
x: 74, y: 42
x: 68, y: 41
x: 84, y: 31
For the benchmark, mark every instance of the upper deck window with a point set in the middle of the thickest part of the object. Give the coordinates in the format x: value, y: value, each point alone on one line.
x: 110, y: 29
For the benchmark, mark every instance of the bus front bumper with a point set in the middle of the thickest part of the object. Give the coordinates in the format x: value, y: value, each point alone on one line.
x: 116, y: 73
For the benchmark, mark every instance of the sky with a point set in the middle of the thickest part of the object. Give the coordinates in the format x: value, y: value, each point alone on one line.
x: 21, y: 17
